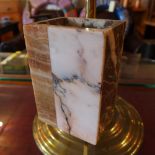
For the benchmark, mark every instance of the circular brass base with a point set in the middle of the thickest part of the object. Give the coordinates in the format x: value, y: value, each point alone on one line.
x: 123, y: 136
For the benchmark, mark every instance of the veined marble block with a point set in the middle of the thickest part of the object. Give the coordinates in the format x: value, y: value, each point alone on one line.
x: 74, y: 66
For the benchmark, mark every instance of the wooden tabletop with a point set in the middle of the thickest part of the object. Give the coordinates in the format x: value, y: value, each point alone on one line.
x: 17, y: 110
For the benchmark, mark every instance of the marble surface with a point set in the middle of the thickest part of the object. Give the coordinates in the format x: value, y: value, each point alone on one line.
x: 77, y: 65
x: 36, y: 39
x: 78, y: 56
x: 75, y: 71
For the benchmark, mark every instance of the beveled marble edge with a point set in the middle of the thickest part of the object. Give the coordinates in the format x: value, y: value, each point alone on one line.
x: 45, y: 22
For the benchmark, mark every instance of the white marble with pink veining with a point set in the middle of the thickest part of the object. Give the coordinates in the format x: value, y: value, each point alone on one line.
x: 77, y: 60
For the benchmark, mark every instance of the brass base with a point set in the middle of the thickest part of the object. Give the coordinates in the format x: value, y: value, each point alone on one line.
x: 123, y: 136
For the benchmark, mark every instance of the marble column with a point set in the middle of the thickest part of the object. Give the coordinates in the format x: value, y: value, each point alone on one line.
x: 84, y: 57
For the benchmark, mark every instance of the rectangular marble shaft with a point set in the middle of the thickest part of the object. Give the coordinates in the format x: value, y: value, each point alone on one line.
x: 77, y: 63
x: 84, y: 64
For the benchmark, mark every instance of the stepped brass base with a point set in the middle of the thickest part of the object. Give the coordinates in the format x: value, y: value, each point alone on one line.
x: 123, y: 136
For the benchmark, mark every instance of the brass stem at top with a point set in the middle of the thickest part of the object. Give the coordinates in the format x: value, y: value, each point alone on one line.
x: 90, y: 8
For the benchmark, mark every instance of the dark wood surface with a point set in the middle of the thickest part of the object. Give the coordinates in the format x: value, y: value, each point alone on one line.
x: 17, y: 110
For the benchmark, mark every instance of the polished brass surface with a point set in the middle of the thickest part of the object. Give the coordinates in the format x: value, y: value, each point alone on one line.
x: 90, y: 8
x: 123, y: 135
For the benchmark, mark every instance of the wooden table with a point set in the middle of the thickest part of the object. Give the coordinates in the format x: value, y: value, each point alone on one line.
x: 17, y: 110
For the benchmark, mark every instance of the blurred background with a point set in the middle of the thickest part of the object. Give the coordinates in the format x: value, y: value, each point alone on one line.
x: 138, y: 61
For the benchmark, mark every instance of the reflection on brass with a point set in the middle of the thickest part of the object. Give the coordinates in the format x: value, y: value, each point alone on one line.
x: 123, y: 134
x: 90, y: 8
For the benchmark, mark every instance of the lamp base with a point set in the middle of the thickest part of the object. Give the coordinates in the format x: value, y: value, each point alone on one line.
x: 123, y: 135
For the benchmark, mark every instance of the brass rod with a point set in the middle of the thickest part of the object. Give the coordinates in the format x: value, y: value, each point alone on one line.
x: 85, y: 149
x: 90, y: 8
